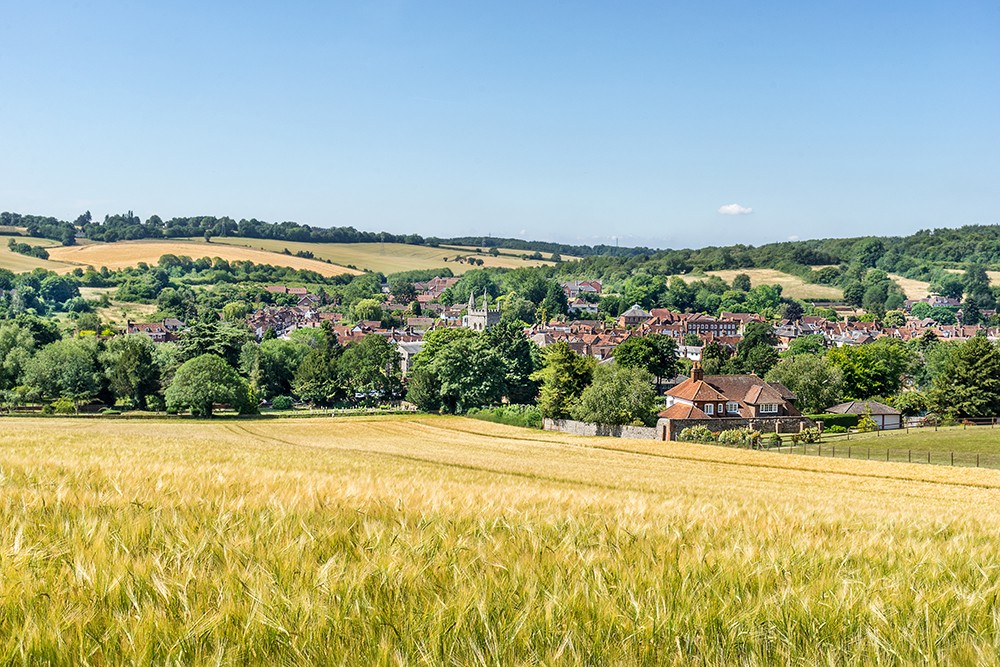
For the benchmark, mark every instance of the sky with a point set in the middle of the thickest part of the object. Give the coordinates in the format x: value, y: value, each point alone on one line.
x: 667, y: 124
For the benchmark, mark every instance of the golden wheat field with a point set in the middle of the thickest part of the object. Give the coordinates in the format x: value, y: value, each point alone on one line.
x: 440, y: 540
x: 129, y: 253
x: 791, y: 286
x: 914, y: 289
x: 386, y: 258
x: 19, y: 263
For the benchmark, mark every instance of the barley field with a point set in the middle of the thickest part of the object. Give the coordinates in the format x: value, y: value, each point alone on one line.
x: 914, y: 289
x: 791, y: 286
x: 385, y: 258
x: 439, y: 540
x: 18, y: 263
x: 129, y: 253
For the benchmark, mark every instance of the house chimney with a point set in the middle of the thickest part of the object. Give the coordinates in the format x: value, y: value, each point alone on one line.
x: 697, y: 374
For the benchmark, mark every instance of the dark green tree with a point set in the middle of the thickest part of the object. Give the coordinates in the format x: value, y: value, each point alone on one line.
x: 520, y: 359
x: 757, y: 351
x: 205, y: 381
x: 371, y: 367
x: 563, y: 377
x: 318, y: 377
x: 655, y: 353
x: 131, y: 369
x: 969, y: 385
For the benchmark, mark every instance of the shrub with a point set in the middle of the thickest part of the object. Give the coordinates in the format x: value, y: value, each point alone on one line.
x: 525, y: 416
x: 773, y: 440
x: 866, y: 424
x: 746, y: 437
x: 837, y: 428
x: 810, y: 435
x: 696, y: 434
x: 63, y: 406
x: 282, y: 403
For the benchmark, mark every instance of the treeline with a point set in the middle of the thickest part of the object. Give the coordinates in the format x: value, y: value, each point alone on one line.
x: 28, y: 249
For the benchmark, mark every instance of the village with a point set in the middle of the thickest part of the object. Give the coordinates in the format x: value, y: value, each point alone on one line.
x: 689, y: 400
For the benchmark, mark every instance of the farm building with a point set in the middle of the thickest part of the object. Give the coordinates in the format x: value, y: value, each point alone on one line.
x: 887, y: 418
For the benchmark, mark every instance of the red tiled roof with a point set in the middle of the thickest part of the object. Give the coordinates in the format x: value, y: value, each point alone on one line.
x: 682, y: 411
x: 695, y: 390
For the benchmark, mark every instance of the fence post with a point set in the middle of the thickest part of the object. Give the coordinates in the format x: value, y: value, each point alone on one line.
x: 887, y: 455
x: 868, y: 456
x: 928, y: 456
x: 977, y: 460
x: 834, y: 455
x: 819, y: 452
x: 953, y: 458
x: 848, y: 451
x: 909, y: 456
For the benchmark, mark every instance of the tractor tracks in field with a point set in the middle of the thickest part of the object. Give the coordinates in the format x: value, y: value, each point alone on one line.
x: 742, y: 464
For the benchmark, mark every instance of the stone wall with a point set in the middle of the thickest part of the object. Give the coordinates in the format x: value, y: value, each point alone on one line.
x: 585, y: 428
x: 669, y: 429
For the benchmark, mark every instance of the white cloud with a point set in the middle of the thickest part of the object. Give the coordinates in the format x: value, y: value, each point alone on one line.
x: 735, y: 209
x: 793, y: 237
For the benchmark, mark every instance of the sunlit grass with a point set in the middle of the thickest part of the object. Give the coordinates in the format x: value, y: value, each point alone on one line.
x: 420, y: 540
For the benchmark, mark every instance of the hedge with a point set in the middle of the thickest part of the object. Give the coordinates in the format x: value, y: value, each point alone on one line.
x: 830, y: 419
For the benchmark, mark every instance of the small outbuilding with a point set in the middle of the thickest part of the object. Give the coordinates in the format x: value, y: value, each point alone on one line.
x: 886, y: 417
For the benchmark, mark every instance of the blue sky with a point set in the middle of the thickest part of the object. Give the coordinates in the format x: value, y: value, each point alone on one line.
x: 569, y: 121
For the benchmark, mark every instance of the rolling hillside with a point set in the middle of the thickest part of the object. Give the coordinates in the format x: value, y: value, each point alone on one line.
x: 19, y: 263
x: 791, y: 286
x: 385, y: 258
x: 130, y: 253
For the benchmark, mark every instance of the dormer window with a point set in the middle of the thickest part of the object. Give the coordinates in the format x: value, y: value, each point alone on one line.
x: 710, y: 408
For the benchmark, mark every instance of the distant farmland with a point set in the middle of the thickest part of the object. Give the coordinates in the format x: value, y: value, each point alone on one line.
x: 19, y: 263
x: 791, y: 286
x: 387, y: 258
x: 129, y: 253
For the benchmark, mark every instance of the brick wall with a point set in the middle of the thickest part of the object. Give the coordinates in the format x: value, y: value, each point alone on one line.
x: 673, y: 427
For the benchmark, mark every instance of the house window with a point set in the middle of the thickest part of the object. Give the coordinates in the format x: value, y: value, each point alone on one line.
x: 732, y: 407
x: 769, y: 409
x: 709, y: 408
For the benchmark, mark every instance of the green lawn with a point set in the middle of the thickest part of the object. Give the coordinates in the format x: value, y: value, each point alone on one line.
x: 965, y: 446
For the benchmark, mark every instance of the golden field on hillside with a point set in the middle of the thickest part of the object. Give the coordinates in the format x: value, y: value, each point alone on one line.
x: 386, y: 258
x: 18, y: 263
x: 129, y: 253
x: 913, y: 289
x: 441, y: 540
x: 791, y: 286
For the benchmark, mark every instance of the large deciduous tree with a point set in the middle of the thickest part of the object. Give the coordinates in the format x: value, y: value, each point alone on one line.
x: 816, y: 383
x: 655, y: 353
x: 618, y: 395
x: 67, y: 368
x: 206, y: 380
x: 875, y: 369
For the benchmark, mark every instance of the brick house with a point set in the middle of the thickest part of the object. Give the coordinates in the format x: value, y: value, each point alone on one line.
x: 722, y: 396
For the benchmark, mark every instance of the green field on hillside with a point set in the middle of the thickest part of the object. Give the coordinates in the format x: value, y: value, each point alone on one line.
x: 441, y: 540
